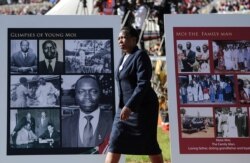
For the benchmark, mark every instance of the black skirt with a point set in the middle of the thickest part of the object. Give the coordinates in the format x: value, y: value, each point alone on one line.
x: 137, y: 135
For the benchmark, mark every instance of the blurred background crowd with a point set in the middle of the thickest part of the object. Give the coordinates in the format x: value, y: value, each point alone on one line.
x: 26, y: 7
x: 34, y: 7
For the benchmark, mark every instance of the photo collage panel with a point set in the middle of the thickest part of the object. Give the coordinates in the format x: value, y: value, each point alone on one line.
x: 213, y: 88
x: 61, y: 92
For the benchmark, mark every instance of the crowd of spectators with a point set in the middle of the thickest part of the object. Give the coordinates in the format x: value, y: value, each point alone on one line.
x: 26, y: 7
x: 191, y: 6
x: 234, y: 6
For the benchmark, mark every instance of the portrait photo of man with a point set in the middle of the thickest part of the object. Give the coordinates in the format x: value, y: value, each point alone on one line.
x: 23, y: 57
x: 51, y: 57
x: 90, y: 123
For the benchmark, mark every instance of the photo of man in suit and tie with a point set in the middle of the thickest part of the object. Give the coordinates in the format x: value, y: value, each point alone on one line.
x: 51, y: 57
x: 42, y: 123
x: 50, y: 138
x: 189, y: 58
x: 90, y: 124
x: 23, y: 58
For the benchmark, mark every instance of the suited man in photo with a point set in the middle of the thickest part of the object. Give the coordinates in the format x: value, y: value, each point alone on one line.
x: 50, y: 64
x: 188, y: 59
x: 240, y: 122
x: 42, y: 123
x: 50, y: 138
x: 90, y: 126
x: 25, y: 60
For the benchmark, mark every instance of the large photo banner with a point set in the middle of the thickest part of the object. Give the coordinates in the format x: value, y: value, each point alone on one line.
x: 209, y: 112
x: 59, y: 87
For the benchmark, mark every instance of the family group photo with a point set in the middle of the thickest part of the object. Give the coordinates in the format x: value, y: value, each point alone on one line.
x: 231, y: 56
x: 207, y: 89
x: 232, y: 122
x: 193, y: 56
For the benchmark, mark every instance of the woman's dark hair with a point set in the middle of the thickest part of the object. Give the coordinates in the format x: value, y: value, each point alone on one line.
x: 129, y: 30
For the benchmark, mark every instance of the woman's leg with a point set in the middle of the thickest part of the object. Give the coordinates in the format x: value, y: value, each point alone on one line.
x: 156, y: 158
x: 112, y: 157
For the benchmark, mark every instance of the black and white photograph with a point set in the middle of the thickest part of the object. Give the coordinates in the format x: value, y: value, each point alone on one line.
x: 232, y: 122
x: 193, y: 56
x: 231, y: 56
x: 34, y: 91
x: 88, y: 56
x: 35, y: 128
x: 23, y: 54
x: 197, y: 122
x: 244, y: 88
x: 51, y: 57
x: 207, y: 89
x: 87, y: 111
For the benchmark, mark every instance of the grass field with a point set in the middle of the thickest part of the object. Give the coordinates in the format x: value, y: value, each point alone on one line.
x: 163, y: 139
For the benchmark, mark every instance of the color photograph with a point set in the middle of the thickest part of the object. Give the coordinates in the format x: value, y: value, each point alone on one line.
x: 232, y: 122
x: 231, y: 56
x: 207, y: 89
x: 193, y: 56
x: 244, y: 88
x: 197, y: 122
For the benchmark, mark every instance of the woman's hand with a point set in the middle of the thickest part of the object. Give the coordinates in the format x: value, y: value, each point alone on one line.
x: 125, y: 113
